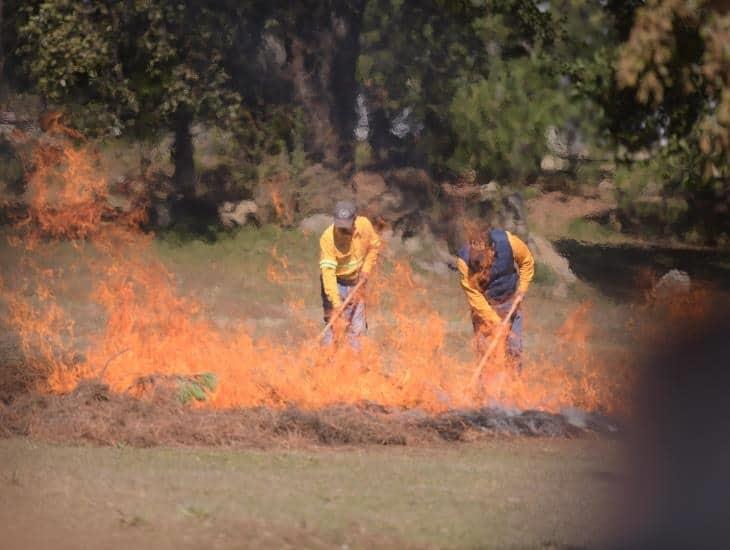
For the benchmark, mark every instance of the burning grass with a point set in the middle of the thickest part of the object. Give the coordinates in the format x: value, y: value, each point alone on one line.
x: 147, y: 338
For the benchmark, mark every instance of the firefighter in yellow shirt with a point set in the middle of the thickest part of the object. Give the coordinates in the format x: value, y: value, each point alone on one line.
x: 348, y: 252
x: 496, y: 268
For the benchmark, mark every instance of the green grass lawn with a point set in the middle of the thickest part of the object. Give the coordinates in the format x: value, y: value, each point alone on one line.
x: 504, y: 493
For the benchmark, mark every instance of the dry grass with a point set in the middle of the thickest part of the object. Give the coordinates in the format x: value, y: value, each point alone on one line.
x: 93, y: 414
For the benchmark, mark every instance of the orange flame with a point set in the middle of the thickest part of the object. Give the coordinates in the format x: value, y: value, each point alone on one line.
x: 145, y: 328
x: 282, y: 203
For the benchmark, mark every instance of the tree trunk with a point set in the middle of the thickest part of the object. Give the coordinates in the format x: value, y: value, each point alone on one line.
x: 182, y: 153
x: 315, y: 98
x: 347, y: 23
x: 322, y: 65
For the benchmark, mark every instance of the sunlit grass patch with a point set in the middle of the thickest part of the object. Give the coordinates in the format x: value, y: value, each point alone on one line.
x: 582, y: 229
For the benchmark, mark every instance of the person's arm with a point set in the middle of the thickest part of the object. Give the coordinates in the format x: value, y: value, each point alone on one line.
x: 328, y: 266
x: 476, y: 299
x: 524, y: 260
x: 371, y: 257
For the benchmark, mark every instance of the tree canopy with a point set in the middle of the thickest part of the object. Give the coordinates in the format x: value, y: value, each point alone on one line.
x: 447, y: 85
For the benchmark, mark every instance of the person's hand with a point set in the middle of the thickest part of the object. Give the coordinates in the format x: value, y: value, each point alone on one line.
x: 519, y: 296
x: 364, y: 278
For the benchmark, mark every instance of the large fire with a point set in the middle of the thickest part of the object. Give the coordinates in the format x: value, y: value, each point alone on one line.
x: 145, y: 329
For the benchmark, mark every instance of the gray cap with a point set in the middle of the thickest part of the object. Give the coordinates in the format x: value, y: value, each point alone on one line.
x: 344, y: 214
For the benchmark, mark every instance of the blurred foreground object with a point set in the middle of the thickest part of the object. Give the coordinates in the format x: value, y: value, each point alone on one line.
x: 680, y: 469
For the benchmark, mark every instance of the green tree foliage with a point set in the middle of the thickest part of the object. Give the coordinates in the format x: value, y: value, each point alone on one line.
x: 663, y: 85
x: 500, y: 121
x: 134, y: 65
x: 138, y: 66
x: 454, y: 85
x: 677, y: 61
x: 484, y: 78
x: 412, y: 55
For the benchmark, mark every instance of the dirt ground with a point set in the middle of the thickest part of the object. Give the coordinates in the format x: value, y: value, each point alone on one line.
x: 503, y: 493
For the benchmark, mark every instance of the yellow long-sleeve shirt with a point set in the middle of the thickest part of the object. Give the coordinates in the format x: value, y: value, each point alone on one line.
x: 344, y: 258
x: 525, y: 268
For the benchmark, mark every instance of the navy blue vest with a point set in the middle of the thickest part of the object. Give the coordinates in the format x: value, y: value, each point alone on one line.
x: 503, y: 277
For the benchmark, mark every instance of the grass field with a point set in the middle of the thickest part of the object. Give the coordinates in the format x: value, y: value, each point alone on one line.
x: 504, y: 493
x: 498, y: 493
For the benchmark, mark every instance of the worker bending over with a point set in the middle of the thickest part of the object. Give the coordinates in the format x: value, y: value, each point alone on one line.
x: 348, y: 252
x: 496, y: 268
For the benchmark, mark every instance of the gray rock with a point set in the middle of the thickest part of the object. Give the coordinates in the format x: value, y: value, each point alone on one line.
x: 550, y: 163
x: 514, y: 216
x: 315, y: 224
x: 564, y: 143
x: 233, y: 214
x: 489, y: 191
x: 673, y: 283
x: 412, y: 244
x: 556, y: 142
x: 545, y: 253
x: 606, y: 188
x: 272, y: 52
x: 119, y: 202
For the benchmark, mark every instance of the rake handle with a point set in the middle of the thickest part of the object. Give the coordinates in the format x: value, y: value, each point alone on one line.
x: 495, y: 340
x: 337, y: 312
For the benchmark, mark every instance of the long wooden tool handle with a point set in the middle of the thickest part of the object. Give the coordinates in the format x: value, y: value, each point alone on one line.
x: 336, y: 313
x: 495, y: 340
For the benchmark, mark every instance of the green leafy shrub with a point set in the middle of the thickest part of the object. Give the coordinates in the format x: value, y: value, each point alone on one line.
x: 196, y: 387
x: 544, y: 275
